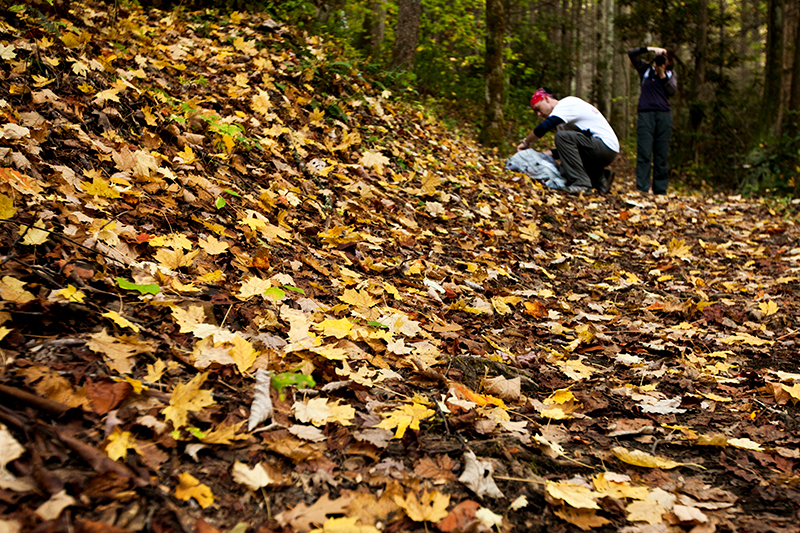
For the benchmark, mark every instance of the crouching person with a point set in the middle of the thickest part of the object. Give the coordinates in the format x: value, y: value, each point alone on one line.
x: 585, y: 142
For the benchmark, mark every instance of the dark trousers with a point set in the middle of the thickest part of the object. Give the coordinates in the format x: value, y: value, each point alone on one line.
x: 652, y: 146
x: 583, y: 158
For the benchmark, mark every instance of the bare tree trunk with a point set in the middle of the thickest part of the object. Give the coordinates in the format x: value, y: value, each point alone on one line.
x: 577, y: 59
x: 619, y: 102
x: 608, y: 56
x: 566, y: 43
x: 794, y: 101
x: 406, y: 33
x: 494, y: 127
x: 374, y: 29
x: 773, y: 68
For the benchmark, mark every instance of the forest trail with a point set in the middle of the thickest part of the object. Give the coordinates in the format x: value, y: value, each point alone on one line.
x: 244, y: 289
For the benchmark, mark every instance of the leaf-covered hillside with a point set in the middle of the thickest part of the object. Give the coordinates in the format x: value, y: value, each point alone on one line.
x: 244, y: 290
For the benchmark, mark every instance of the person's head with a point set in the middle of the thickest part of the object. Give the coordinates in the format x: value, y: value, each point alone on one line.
x: 543, y: 102
x: 667, y: 60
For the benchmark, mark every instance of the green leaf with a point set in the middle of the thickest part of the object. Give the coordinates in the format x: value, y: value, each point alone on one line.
x: 234, y: 193
x: 17, y: 8
x: 196, y: 432
x: 287, y: 379
x: 275, y: 293
x: 377, y: 324
x: 151, y: 288
x: 295, y: 289
x: 220, y: 203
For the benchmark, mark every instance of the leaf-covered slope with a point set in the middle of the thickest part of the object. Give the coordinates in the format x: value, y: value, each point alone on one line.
x: 243, y: 288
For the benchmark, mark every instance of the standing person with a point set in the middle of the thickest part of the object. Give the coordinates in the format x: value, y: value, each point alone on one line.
x: 654, y: 125
x: 585, y: 142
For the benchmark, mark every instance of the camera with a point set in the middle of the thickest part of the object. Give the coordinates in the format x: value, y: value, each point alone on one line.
x: 661, y: 59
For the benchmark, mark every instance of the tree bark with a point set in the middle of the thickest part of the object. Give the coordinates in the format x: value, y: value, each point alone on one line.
x: 619, y: 104
x: 494, y: 126
x: 406, y: 33
x: 773, y: 69
x: 576, y: 22
x: 374, y: 29
x: 794, y: 103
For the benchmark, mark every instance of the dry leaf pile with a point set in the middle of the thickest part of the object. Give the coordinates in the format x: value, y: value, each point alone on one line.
x: 243, y: 289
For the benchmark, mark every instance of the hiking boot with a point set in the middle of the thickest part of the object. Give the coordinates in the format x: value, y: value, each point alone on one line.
x: 608, y: 181
x: 577, y: 189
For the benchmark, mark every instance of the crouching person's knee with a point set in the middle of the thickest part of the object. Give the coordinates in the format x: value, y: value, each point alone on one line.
x: 563, y: 138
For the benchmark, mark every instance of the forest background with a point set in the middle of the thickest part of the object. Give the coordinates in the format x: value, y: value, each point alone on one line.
x: 735, y: 114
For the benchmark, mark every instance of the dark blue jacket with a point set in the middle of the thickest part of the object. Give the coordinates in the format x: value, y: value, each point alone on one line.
x: 655, y: 91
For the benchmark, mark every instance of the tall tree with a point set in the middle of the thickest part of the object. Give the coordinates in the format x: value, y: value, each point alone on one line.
x: 576, y: 54
x: 773, y: 68
x: 374, y: 28
x: 793, y: 114
x: 697, y: 111
x: 494, y: 127
x: 406, y: 33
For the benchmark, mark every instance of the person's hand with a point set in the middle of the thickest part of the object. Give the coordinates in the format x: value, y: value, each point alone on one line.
x: 522, y: 146
x: 548, y: 152
x: 661, y: 70
x: 658, y: 51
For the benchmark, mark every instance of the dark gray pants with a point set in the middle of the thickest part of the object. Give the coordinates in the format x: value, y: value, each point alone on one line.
x: 583, y: 158
x: 652, y: 145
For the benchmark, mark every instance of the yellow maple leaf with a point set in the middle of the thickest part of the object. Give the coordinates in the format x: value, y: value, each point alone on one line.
x: 4, y: 331
x: 186, y: 157
x: 41, y: 81
x: 316, y: 116
x: 793, y: 391
x: 430, y: 507
x: 121, y: 321
x: 225, y: 434
x: 186, y: 398
x: 645, y: 511
x: 242, y: 353
x: 319, y: 412
x: 176, y: 241
x: 358, y: 298
x: 745, y: 338
x: 530, y: 232
x: 331, y: 352
x: 678, y: 248
x: 119, y: 442
x: 644, y: 459
x: 376, y: 160
x: 606, y: 484
x: 246, y: 47
x: 155, y: 371
x: 585, y: 519
x: 71, y: 294
x: 100, y: 187
x: 190, y: 487
x: 335, y: 328
x: 253, y: 287
x: 344, y: 525
x: 36, y: 234
x: 119, y: 350
x: 261, y: 103
x: 175, y: 259
x: 11, y: 290
x: 573, y: 494
x: 109, y: 94
x: 213, y: 246
x: 404, y: 417
x: 768, y: 308
x: 189, y: 319
x: 7, y: 209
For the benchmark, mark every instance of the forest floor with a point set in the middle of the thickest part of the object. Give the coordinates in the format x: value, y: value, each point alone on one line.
x: 243, y: 289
